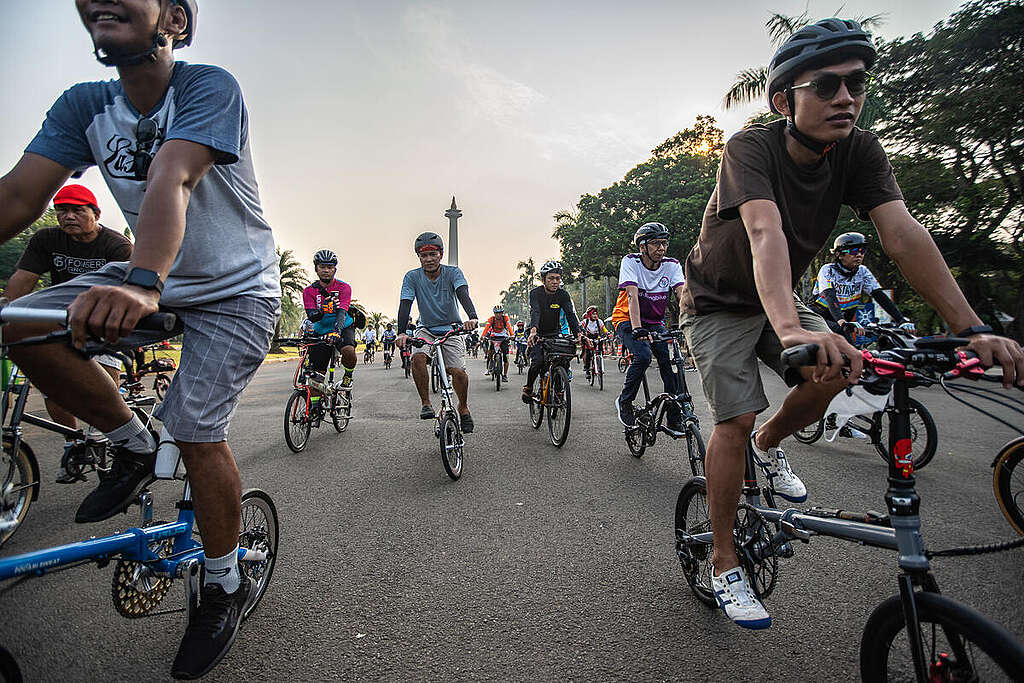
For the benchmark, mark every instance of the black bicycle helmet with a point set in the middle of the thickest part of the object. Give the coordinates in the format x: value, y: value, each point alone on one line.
x: 550, y: 267
x: 325, y: 256
x: 429, y: 239
x: 650, y: 231
x: 849, y: 239
x: 817, y: 45
x: 191, y: 12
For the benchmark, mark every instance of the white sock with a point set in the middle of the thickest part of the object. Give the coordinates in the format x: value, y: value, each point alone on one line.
x: 223, y: 571
x: 134, y: 436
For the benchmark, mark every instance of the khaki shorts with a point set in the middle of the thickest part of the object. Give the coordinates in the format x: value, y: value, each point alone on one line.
x: 454, y: 349
x: 726, y: 346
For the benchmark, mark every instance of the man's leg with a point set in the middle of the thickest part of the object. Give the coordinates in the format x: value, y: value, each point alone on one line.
x: 421, y: 378
x: 642, y: 355
x: 725, y: 465
x: 59, y: 415
x: 804, y: 404
x: 216, y: 494
x: 460, y: 382
x: 348, y: 358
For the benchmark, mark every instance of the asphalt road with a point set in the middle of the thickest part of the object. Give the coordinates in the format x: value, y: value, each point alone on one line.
x: 540, y: 563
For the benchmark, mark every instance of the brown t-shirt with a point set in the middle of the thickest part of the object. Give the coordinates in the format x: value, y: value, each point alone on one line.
x: 52, y: 250
x: 755, y: 165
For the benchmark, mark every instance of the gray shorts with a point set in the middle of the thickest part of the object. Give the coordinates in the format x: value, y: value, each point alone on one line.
x: 454, y: 349
x: 224, y: 344
x: 725, y: 346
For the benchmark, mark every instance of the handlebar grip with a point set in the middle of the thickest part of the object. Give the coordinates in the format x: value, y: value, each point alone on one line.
x: 800, y: 356
x: 158, y: 322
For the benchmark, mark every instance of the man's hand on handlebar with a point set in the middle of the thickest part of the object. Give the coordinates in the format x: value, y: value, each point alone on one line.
x: 833, y: 353
x: 995, y: 350
x: 641, y: 334
x: 401, y: 340
x: 110, y: 312
x: 470, y: 324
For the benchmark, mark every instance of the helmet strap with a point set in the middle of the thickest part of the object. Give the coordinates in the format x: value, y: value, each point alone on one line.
x: 133, y: 59
x: 817, y: 146
x: 843, y: 269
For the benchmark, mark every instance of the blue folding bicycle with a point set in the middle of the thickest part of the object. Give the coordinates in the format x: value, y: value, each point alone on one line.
x: 149, y: 557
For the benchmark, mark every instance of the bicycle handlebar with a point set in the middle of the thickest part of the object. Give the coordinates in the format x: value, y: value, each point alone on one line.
x: 154, y: 322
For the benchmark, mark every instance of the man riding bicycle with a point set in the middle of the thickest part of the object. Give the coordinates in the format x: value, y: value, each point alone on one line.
x: 388, y: 339
x: 548, y: 303
x: 778, y: 195
x: 79, y: 245
x: 519, y: 337
x: 327, y: 301
x: 498, y: 328
x: 370, y: 339
x: 435, y: 288
x: 843, y: 287
x: 646, y: 280
x: 182, y: 174
x: 595, y: 332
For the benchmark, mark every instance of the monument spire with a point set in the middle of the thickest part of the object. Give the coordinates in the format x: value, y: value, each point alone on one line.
x: 453, y: 214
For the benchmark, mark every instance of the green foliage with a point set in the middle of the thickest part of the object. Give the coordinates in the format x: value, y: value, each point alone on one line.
x: 516, y: 299
x: 12, y: 250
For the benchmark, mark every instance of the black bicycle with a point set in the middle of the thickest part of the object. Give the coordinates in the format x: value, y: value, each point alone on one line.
x: 301, y: 413
x: 650, y: 419
x: 554, y: 394
x: 946, y: 641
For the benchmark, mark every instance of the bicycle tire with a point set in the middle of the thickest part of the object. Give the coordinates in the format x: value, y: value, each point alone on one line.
x: 693, y: 517
x: 340, y: 414
x: 9, y: 671
x: 923, y: 456
x: 811, y: 432
x: 636, y: 440
x: 408, y: 367
x: 622, y: 364
x: 496, y: 372
x: 592, y: 369
x: 20, y: 474
x: 260, y: 530
x: 296, y: 421
x: 160, y: 385
x: 452, y: 445
x: 435, y: 378
x: 1008, y: 489
x: 559, y: 407
x: 695, y: 450
x: 959, y: 630
x: 537, y: 408
x: 600, y: 373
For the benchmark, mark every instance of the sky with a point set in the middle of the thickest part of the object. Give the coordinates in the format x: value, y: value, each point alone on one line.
x: 366, y: 118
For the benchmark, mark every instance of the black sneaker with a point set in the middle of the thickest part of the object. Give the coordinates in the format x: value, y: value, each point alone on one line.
x: 211, y: 631
x: 675, y: 426
x: 527, y: 395
x: 128, y: 475
x: 625, y: 411
x: 427, y: 413
x: 467, y: 423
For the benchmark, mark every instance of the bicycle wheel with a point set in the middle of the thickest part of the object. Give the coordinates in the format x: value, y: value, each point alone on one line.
x: 1008, y: 483
x: 959, y: 644
x: 559, y: 406
x: 695, y: 449
x: 636, y: 440
x: 19, y: 485
x: 451, y: 446
x: 435, y: 378
x: 296, y: 421
x: 9, y: 671
x: 536, y: 407
x: 921, y: 424
x: 622, y: 364
x: 600, y: 373
x: 408, y: 367
x: 693, y: 517
x: 259, y: 533
x: 592, y: 370
x: 496, y: 372
x: 160, y: 385
x: 811, y: 432
x: 341, y: 410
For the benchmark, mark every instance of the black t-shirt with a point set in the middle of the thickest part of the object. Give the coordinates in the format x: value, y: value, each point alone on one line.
x: 756, y: 165
x: 52, y: 250
x: 546, y: 309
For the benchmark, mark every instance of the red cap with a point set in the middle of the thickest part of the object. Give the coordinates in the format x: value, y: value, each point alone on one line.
x: 75, y: 194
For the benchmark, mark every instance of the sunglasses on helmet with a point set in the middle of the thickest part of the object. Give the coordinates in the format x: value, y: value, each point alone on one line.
x: 827, y: 85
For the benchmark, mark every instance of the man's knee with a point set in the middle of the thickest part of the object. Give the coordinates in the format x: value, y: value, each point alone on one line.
x: 737, y: 427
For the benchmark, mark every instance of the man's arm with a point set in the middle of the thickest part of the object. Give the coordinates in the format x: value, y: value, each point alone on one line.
x: 26, y: 190
x: 774, y: 281
x: 177, y: 169
x: 20, y: 284
x: 679, y: 297
x: 912, y: 248
x: 633, y: 292
x: 462, y: 294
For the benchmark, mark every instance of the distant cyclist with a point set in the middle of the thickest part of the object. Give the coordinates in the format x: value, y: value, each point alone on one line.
x: 594, y: 330
x: 435, y: 288
x: 387, y: 339
x: 845, y: 285
x: 327, y: 301
x: 79, y: 245
x: 519, y: 337
x: 370, y: 339
x: 498, y: 327
x: 548, y: 303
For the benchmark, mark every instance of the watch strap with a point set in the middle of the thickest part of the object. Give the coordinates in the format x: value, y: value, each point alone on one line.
x: 144, y: 278
x: 975, y: 329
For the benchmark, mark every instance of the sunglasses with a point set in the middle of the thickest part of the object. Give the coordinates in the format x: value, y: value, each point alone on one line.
x: 146, y: 134
x: 854, y: 251
x: 826, y: 86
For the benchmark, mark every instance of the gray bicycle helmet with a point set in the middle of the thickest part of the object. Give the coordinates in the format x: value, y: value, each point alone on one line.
x: 550, y: 267
x: 849, y: 239
x: 429, y: 239
x: 325, y: 256
x: 814, y: 46
x: 649, y: 231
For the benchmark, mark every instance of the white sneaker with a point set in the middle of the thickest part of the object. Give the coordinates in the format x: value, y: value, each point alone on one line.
x: 738, y: 601
x: 780, y: 475
x: 852, y: 433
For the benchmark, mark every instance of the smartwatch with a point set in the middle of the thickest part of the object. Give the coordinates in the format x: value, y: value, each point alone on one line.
x: 146, y: 279
x: 975, y: 329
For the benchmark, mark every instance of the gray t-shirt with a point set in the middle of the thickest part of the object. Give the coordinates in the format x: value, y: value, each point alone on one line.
x: 228, y: 248
x: 435, y: 299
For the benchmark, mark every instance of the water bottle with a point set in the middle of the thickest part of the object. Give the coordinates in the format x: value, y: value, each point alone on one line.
x: 168, y: 457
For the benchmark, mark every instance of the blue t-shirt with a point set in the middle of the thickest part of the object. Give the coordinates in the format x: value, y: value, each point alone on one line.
x: 228, y: 248
x: 436, y: 299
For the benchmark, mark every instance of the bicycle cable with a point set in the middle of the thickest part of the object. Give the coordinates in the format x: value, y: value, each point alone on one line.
x: 976, y: 549
x: 989, y: 395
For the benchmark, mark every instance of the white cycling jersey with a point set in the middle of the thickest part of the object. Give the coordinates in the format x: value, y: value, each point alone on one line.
x: 852, y: 291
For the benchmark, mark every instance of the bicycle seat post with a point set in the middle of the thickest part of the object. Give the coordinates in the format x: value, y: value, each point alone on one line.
x: 145, y: 501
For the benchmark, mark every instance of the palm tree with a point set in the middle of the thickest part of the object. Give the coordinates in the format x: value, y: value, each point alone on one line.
x: 376, y: 320
x: 750, y: 84
x: 293, y: 280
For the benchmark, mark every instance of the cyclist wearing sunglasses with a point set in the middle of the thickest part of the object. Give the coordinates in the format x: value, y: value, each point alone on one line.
x: 779, y: 191
x: 843, y: 288
x: 202, y: 250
